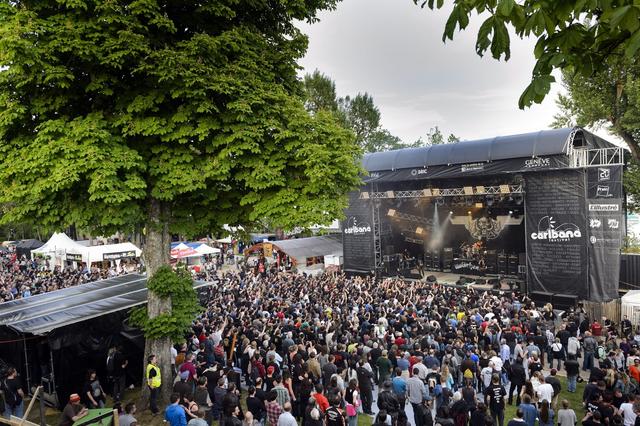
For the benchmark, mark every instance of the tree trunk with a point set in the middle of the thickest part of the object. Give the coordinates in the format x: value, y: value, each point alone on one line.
x: 631, y: 143
x: 156, y: 254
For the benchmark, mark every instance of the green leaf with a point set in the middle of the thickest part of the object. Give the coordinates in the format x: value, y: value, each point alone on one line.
x: 500, y: 43
x: 483, y: 42
x: 450, y: 26
x: 633, y: 45
x: 505, y: 7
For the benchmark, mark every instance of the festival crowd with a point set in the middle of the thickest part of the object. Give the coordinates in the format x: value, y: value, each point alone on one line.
x: 325, y: 350
x: 21, y: 277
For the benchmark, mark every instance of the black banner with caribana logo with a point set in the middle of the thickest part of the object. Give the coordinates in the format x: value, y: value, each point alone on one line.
x: 357, y: 235
x: 606, y: 224
x: 556, y: 233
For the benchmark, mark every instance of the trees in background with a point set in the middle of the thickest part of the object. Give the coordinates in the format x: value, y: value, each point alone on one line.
x: 360, y: 115
x: 609, y: 98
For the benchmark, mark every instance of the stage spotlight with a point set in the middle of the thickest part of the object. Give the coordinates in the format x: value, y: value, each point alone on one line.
x: 364, y: 195
x: 504, y: 189
x: 468, y: 190
x: 510, y: 212
x: 479, y: 205
x: 469, y: 212
x: 391, y: 194
x: 391, y: 212
x: 426, y: 192
x: 450, y: 213
x: 480, y: 189
x: 435, y: 192
x: 440, y: 201
x: 419, y: 230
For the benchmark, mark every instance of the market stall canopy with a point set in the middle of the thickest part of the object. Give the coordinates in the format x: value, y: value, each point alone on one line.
x: 205, y: 249
x: 44, y: 313
x: 60, y: 245
x: 182, y: 251
x: 630, y: 306
x: 302, y: 248
x: 110, y: 252
x: 196, y: 249
x: 24, y: 247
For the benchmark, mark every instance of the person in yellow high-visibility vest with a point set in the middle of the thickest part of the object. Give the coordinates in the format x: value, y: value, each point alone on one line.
x: 154, y: 382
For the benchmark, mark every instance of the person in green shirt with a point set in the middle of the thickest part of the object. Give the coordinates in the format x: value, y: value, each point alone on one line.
x: 384, y: 367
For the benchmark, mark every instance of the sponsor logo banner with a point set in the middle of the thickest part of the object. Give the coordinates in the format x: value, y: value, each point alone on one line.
x: 604, y: 207
x: 119, y: 255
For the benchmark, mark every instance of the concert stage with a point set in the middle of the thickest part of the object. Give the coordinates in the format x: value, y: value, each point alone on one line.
x: 543, y: 208
x: 475, y: 281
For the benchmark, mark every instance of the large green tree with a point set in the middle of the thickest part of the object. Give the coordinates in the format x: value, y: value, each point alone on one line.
x: 579, y: 36
x: 609, y: 98
x: 179, y: 116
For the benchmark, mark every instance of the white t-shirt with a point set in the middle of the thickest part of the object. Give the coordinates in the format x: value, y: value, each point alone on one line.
x: 629, y: 416
x: 174, y: 354
x: 545, y: 391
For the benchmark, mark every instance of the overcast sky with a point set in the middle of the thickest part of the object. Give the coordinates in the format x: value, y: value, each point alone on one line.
x: 393, y: 50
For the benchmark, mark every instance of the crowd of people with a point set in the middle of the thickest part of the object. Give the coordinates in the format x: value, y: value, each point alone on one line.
x: 324, y: 350
x: 21, y: 277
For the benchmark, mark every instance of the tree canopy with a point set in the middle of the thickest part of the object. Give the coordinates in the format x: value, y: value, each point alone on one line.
x: 195, y: 104
x: 359, y: 114
x: 610, y: 98
x: 179, y: 116
x: 578, y: 36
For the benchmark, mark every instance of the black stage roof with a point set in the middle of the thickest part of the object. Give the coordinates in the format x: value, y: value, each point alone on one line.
x: 527, y: 145
x: 44, y: 313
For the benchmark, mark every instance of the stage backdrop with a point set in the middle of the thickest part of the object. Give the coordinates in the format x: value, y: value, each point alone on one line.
x: 606, y: 223
x: 357, y: 235
x: 556, y: 233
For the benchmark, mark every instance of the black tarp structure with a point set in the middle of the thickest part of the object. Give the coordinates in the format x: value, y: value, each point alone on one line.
x: 24, y: 247
x: 572, y: 206
x: 71, y: 330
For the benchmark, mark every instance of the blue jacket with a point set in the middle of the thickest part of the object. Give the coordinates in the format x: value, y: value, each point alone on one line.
x: 175, y: 415
x: 530, y: 413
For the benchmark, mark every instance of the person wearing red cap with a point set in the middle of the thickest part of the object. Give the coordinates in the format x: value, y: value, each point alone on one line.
x: 73, y: 411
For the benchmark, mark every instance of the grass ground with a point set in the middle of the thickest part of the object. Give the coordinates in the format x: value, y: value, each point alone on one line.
x: 146, y: 419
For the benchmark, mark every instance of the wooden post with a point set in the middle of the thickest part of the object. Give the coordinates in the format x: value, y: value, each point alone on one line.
x: 33, y: 400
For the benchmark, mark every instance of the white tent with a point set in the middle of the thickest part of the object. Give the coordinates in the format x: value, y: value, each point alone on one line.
x: 630, y: 306
x: 61, y: 248
x: 110, y: 252
x: 205, y: 249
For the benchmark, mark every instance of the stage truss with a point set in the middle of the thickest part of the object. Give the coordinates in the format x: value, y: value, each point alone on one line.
x: 468, y: 191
